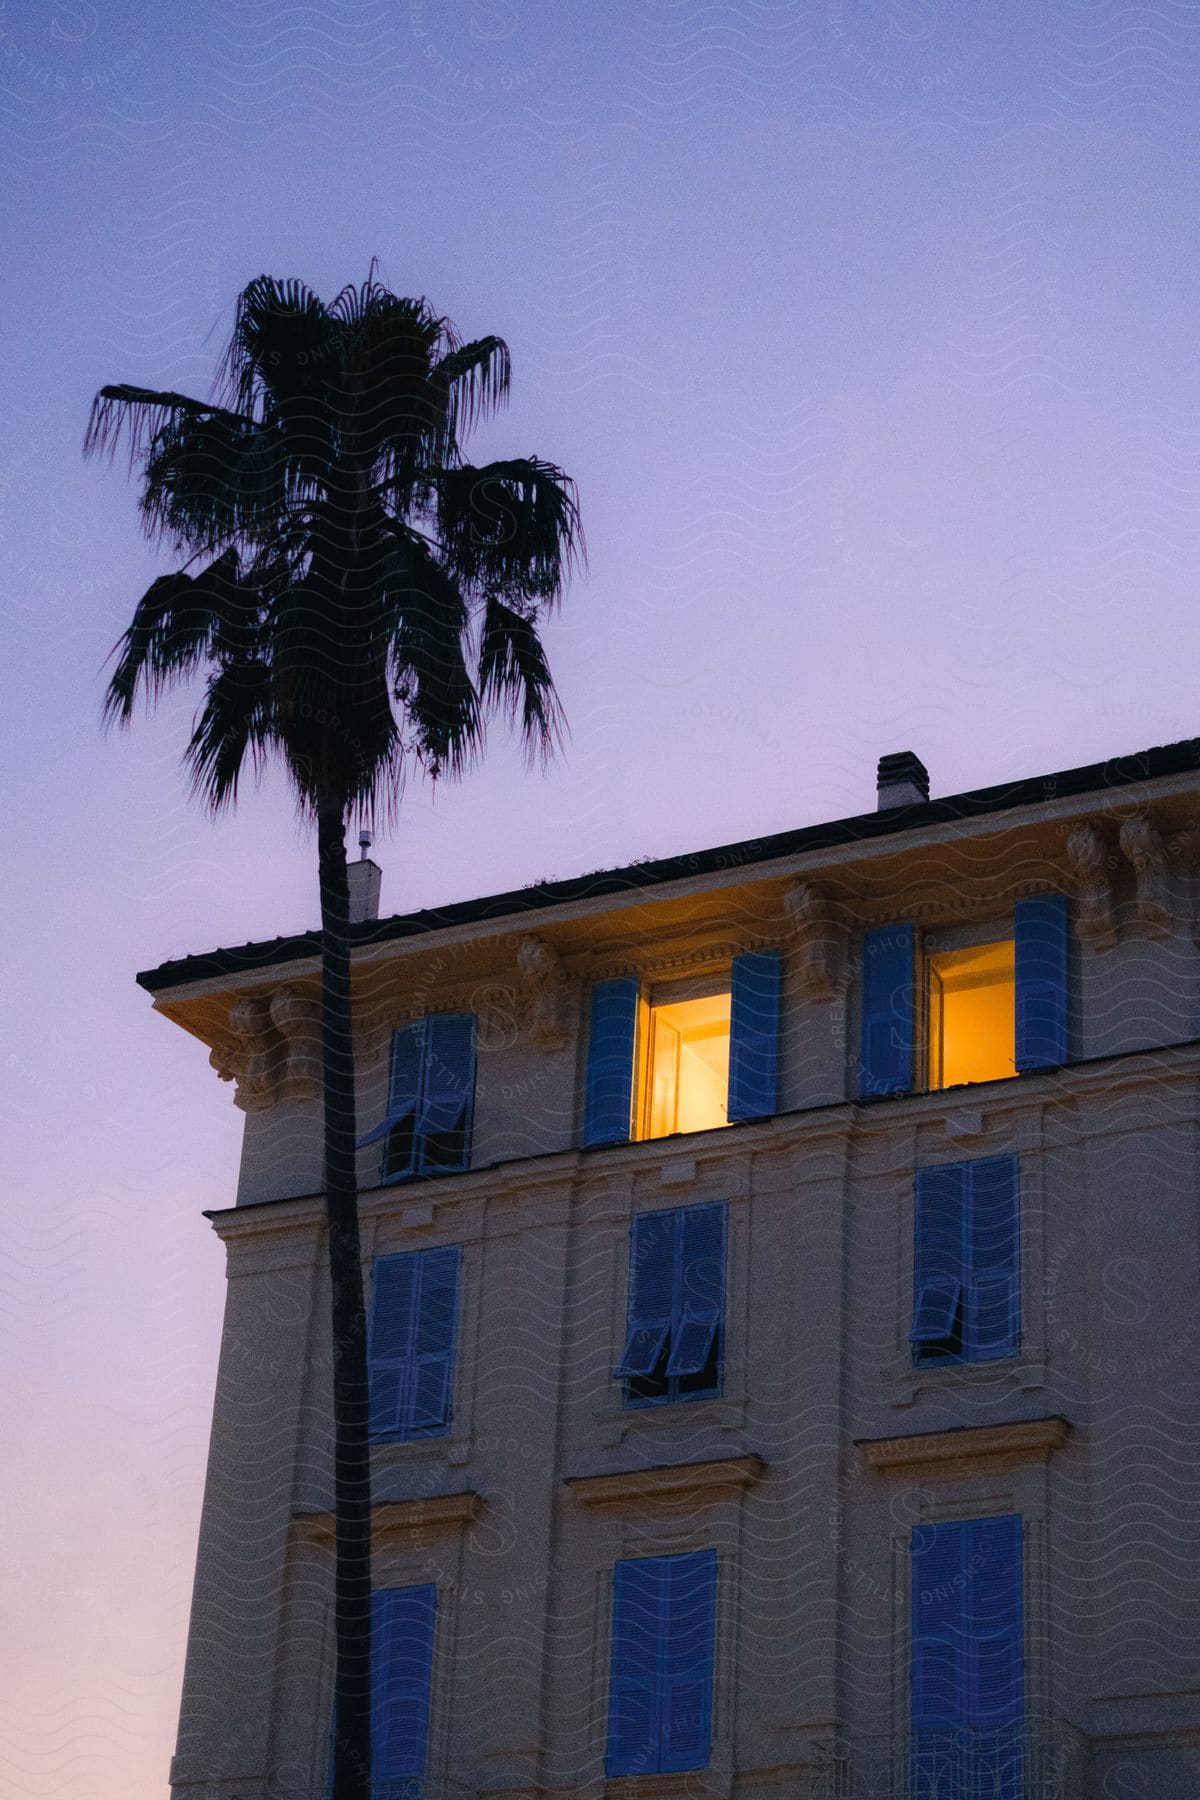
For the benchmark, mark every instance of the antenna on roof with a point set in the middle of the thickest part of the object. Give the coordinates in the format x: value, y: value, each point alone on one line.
x: 365, y: 840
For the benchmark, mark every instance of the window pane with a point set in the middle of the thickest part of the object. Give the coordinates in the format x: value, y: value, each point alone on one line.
x: 687, y: 1082
x: 972, y: 1008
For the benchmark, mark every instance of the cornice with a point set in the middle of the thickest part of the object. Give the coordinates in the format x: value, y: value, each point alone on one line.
x: 389, y: 1518
x: 965, y: 1448
x: 696, y: 1481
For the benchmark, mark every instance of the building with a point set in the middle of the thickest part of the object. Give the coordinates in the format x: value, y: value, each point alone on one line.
x: 785, y: 1326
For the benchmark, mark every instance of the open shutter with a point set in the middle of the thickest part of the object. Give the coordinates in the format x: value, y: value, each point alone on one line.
x: 1041, y: 974
x: 992, y: 1311
x: 939, y: 1270
x: 389, y: 1342
x: 638, y: 1629
x: 612, y: 1036
x: 399, y: 1123
x: 433, y: 1343
x: 754, y: 1036
x: 448, y: 1091
x: 685, y: 1714
x: 402, y: 1623
x: 653, y: 1251
x: 699, y: 1298
x: 888, y: 1011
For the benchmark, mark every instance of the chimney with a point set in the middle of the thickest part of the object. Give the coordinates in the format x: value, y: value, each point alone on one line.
x: 903, y: 780
x: 364, y: 877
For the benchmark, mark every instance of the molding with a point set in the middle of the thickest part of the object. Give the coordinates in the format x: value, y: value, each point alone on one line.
x: 697, y: 1481
x: 964, y: 1448
x: 1145, y: 850
x: 388, y: 1517
x: 1088, y: 858
x: 545, y: 991
x: 271, y: 1048
x: 821, y: 939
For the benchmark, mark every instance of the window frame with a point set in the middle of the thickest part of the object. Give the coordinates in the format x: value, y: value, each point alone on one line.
x: 408, y: 1433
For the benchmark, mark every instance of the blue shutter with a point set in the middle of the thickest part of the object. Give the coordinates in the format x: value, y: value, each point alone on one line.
x: 996, y: 1675
x: 754, y: 1036
x: 612, y: 1036
x: 433, y: 1341
x: 447, y: 1091
x: 402, y: 1622
x: 653, y: 1252
x: 1041, y: 959
x: 661, y: 1670
x: 686, y: 1690
x: 991, y: 1314
x: 399, y: 1123
x: 699, y: 1299
x: 939, y: 1262
x: 939, y: 1642
x: 389, y: 1342
x: 888, y: 1011
x: 638, y: 1628
x: 968, y: 1684
x: 414, y: 1306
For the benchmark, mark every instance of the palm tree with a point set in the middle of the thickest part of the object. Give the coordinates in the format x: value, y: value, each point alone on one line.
x: 359, y: 600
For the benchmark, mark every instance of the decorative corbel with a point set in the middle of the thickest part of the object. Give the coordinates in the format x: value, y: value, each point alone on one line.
x: 252, y: 1055
x: 544, y: 985
x: 1143, y: 845
x: 271, y: 1049
x: 1088, y: 855
x: 820, y: 938
x: 297, y: 1019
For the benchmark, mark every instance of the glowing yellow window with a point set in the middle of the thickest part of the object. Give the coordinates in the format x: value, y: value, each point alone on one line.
x: 972, y: 1000
x: 687, y: 1067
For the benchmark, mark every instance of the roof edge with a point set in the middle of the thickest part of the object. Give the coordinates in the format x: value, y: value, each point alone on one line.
x: 1118, y: 772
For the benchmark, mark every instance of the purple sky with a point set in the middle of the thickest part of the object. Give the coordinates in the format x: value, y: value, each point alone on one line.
x: 868, y: 331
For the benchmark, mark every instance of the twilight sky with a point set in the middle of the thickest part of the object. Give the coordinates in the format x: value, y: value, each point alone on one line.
x: 867, y: 328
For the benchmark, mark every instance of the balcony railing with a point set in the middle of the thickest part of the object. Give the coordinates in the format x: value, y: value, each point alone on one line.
x: 1026, y: 1762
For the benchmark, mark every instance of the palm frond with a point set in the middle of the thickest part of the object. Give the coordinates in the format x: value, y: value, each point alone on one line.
x: 514, y: 676
x: 471, y: 383
x: 176, y: 625
x: 428, y: 623
x: 140, y: 414
x: 511, y: 528
x: 234, y: 723
x: 211, y: 479
x: 283, y: 344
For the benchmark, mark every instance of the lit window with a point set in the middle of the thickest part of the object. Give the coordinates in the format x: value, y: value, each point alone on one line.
x: 687, y: 1071
x: 972, y: 1007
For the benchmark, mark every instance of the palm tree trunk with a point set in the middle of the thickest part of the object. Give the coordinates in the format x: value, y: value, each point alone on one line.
x: 352, y: 1456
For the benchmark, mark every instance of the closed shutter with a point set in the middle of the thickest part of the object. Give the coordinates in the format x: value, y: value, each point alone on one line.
x: 389, y: 1343
x: 653, y: 1253
x: 612, y: 1037
x: 939, y: 1273
x: 661, y: 1671
x: 699, y: 1298
x: 448, y: 1091
x: 685, y: 1725
x: 402, y: 1624
x: 414, y: 1306
x: 888, y: 1011
x: 638, y: 1628
x: 992, y: 1308
x: 433, y: 1342
x: 968, y: 1682
x: 754, y: 1036
x: 1040, y: 932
